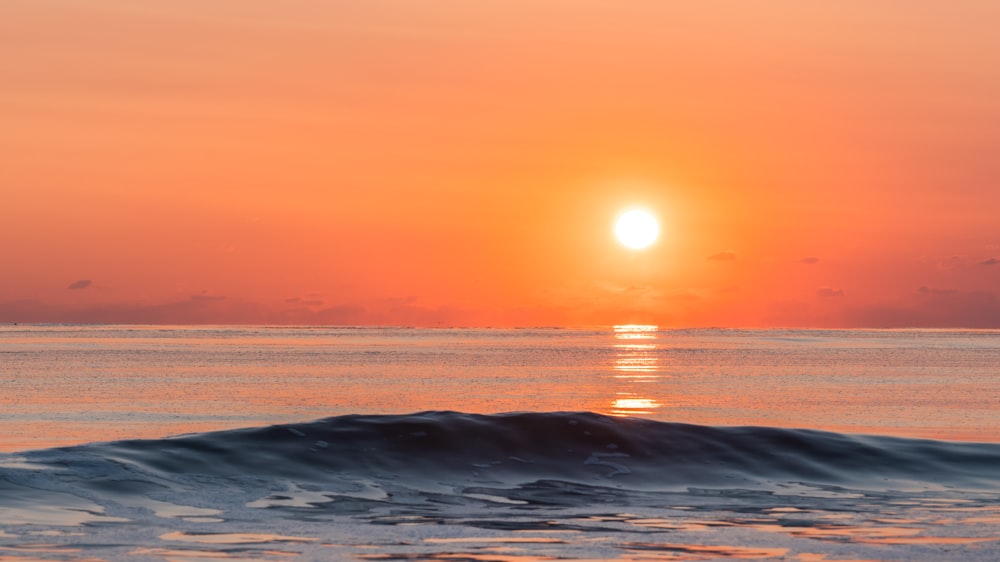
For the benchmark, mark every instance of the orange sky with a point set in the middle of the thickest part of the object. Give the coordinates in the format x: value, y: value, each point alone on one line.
x: 830, y: 163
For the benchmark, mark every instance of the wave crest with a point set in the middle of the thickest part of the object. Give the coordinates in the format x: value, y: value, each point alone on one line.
x: 571, y: 447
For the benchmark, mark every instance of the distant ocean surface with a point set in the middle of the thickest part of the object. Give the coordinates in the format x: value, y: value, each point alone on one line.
x: 70, y: 384
x: 625, y: 443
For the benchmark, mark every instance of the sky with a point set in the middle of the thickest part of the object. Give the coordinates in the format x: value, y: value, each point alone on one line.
x: 453, y: 163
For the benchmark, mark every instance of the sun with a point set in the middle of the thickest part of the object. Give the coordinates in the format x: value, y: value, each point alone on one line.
x: 637, y: 229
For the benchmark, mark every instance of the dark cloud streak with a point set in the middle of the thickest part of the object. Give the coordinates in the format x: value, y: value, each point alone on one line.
x: 933, y: 308
x: 829, y: 292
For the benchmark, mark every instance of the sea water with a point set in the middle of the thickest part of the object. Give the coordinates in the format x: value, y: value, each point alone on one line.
x: 628, y: 443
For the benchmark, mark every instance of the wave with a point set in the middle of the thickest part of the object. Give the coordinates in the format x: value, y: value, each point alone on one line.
x: 517, y: 447
x: 538, y: 486
x: 423, y: 461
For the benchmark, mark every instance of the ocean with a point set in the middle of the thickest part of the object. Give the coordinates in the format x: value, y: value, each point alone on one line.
x: 616, y: 443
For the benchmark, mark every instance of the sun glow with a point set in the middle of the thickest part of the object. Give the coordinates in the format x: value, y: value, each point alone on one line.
x: 637, y: 229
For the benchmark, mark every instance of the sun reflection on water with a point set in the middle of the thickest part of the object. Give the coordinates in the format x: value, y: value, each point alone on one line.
x: 636, y: 362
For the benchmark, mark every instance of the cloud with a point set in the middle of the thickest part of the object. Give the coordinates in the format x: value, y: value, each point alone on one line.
x: 401, y: 301
x: 190, y: 311
x: 722, y: 256
x: 310, y: 300
x: 990, y: 261
x: 423, y: 316
x: 828, y: 292
x: 932, y: 309
x: 304, y: 302
x: 810, y: 260
x: 341, y: 315
x: 951, y: 262
x: 214, y: 309
x: 925, y: 290
x: 207, y: 298
x: 81, y: 284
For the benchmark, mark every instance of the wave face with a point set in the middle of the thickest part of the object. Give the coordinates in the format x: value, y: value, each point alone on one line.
x: 514, y: 448
x: 527, y: 486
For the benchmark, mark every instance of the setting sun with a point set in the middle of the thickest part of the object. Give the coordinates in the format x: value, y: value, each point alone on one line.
x: 636, y: 229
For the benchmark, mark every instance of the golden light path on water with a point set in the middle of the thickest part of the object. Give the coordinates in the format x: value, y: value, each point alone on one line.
x: 636, y: 363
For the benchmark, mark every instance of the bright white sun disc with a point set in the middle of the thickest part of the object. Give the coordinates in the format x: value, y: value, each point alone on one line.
x: 637, y: 229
